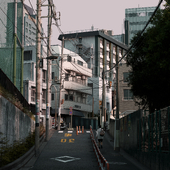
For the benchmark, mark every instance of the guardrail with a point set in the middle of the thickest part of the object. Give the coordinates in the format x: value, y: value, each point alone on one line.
x: 102, y: 162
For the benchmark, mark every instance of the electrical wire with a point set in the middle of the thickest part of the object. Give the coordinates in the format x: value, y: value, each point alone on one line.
x: 128, y: 51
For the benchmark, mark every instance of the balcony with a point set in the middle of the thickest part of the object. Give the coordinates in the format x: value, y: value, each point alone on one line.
x: 74, y: 85
x: 77, y: 106
x: 77, y: 68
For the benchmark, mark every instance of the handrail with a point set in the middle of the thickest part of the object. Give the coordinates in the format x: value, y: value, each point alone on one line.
x: 102, y: 162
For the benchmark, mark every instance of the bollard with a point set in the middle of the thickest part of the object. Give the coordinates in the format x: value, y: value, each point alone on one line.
x: 82, y: 129
x: 79, y: 129
x: 76, y: 130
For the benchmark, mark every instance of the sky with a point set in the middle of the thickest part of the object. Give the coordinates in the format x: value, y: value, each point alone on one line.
x: 82, y: 14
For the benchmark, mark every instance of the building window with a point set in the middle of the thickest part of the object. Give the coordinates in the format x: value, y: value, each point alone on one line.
x: 44, y: 76
x: 80, y: 62
x: 79, y: 99
x: 127, y: 94
x: 71, y: 98
x: 43, y: 96
x: 27, y: 55
x: 79, y: 50
x: 84, y: 100
x: 125, y: 76
x: 80, y: 40
x: 52, y: 75
x: 101, y: 51
x: 29, y: 26
x: 52, y: 96
x: 33, y: 94
x: 26, y: 24
x: 30, y: 32
x: 69, y: 59
x: 26, y: 30
x: 66, y: 96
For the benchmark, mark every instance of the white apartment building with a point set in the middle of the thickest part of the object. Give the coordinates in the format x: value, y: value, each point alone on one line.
x: 29, y: 85
x: 74, y: 80
x: 99, y: 50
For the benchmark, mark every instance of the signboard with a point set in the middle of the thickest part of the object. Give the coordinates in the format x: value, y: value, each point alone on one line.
x: 71, y: 112
x: 100, y: 102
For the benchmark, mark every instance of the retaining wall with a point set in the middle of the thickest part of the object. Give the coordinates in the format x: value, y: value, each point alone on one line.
x: 14, y: 124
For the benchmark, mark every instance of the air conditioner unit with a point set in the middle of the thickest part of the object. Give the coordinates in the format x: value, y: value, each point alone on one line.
x: 55, y: 78
x: 83, y: 77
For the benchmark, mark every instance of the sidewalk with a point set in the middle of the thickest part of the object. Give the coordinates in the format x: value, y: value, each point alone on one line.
x: 121, y: 160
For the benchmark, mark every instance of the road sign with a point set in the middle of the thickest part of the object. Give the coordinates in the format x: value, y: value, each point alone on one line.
x: 100, y: 102
x: 71, y: 108
x: 71, y: 112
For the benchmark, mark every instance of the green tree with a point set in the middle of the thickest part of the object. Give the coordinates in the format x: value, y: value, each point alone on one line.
x: 150, y: 63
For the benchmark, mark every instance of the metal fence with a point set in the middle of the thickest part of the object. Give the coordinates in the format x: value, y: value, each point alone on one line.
x: 154, y: 131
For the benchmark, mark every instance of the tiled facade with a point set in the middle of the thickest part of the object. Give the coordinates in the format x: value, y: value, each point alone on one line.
x: 126, y: 103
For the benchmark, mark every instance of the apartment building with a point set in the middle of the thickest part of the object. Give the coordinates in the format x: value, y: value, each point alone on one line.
x: 74, y: 82
x: 29, y: 76
x: 126, y: 102
x: 99, y: 50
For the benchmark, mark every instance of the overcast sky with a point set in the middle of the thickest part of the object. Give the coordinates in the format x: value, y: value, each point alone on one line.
x: 81, y: 15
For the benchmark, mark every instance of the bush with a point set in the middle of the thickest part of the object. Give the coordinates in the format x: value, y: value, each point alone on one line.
x: 9, y: 153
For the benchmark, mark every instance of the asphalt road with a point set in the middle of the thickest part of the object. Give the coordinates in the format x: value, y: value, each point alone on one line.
x: 67, y: 151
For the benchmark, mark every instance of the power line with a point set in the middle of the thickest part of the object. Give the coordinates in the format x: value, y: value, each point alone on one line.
x: 139, y: 36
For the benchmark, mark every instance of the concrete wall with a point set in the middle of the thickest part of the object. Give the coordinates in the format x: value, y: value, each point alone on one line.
x: 14, y: 124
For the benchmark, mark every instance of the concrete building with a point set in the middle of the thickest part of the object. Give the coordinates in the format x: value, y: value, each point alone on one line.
x: 75, y: 90
x: 29, y: 77
x: 137, y: 18
x: 126, y: 102
x: 99, y: 50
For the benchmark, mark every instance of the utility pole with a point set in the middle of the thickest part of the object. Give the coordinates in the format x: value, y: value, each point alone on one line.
x: 59, y: 105
x: 117, y: 125
x: 103, y: 82
x: 38, y: 39
x: 48, y: 68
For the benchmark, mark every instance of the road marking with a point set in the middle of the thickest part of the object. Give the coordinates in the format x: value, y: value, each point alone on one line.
x: 67, y: 134
x: 63, y: 140
x: 70, y: 131
x: 87, y: 131
x: 60, y: 131
x: 71, y: 140
x: 65, y: 159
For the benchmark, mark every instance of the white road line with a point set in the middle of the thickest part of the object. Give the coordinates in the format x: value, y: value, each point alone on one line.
x: 70, y: 132
x: 87, y: 131
x: 60, y: 131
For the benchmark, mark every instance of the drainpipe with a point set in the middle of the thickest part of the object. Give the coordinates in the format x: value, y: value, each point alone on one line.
x: 15, y: 45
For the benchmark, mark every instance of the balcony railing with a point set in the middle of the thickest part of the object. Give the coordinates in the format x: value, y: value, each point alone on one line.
x: 74, y: 79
